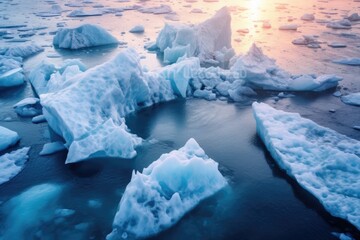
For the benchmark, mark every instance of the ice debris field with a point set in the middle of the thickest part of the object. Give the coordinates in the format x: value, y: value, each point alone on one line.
x: 83, y: 83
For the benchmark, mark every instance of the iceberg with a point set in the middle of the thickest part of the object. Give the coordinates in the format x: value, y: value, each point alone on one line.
x: 207, y: 40
x: 352, y: 99
x: 12, y: 163
x: 29, y: 210
x: 7, y: 138
x: 262, y: 72
x: 88, y: 109
x: 340, y: 24
x: 83, y: 13
x: 322, y: 161
x: 28, y: 107
x: 84, y: 36
x: 137, y: 29
x: 165, y: 191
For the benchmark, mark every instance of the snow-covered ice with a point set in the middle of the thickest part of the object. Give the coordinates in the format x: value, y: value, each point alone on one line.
x: 51, y: 148
x: 11, y: 72
x: 23, y: 50
x: 88, y: 112
x: 28, y: 107
x: 352, y: 99
x: 261, y: 72
x: 165, y: 191
x: 84, y: 36
x: 207, y: 40
x: 137, y: 29
x: 322, y: 161
x: 7, y: 138
x: 12, y: 163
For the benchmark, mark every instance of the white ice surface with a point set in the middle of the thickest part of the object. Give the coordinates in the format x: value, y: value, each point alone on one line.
x: 7, y: 138
x: 90, y: 106
x: 12, y: 163
x: 84, y: 36
x: 11, y: 72
x: 165, y: 191
x: 28, y: 107
x: 53, y: 147
x: 322, y: 161
x: 207, y: 40
x: 352, y: 99
x: 262, y: 72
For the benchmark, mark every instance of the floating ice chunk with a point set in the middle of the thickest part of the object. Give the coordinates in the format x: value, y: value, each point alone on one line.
x: 165, y: 191
x: 12, y: 163
x: 83, y: 13
x: 291, y: 27
x: 51, y: 148
x: 40, y: 76
x: 92, y: 106
x: 348, y: 61
x: 23, y: 51
x: 53, y: 12
x: 322, y: 161
x: 28, y: 107
x: 11, y: 72
x: 84, y: 36
x: 337, y: 45
x: 305, y: 40
x: 308, y: 17
x: 354, y: 17
x: 240, y: 93
x: 352, y: 99
x: 204, y: 40
x: 107, y: 140
x: 137, y: 29
x: 261, y: 72
x: 28, y: 211
x: 7, y: 138
x: 340, y: 24
x: 162, y: 9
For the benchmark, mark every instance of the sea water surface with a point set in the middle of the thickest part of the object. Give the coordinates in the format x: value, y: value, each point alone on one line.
x: 261, y: 201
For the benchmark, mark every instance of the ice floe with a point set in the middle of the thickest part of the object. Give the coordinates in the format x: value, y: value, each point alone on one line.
x: 207, y: 40
x: 11, y: 72
x: 88, y: 110
x: 7, y: 138
x: 12, y: 163
x: 165, y: 191
x: 352, y: 99
x: 340, y: 24
x: 23, y: 50
x: 137, y: 29
x: 28, y: 107
x: 322, y: 161
x: 348, y: 61
x: 261, y: 72
x: 84, y: 36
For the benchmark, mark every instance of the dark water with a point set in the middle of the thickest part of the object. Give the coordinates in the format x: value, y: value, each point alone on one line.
x: 261, y: 201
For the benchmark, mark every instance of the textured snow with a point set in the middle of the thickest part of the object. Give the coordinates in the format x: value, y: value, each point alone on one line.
x: 29, y: 210
x: 262, y: 72
x: 12, y: 163
x: 352, y: 99
x: 322, y: 161
x: 7, y: 138
x: 84, y: 36
x: 53, y: 147
x: 28, y: 107
x: 165, y: 191
x: 88, y: 110
x: 205, y: 40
